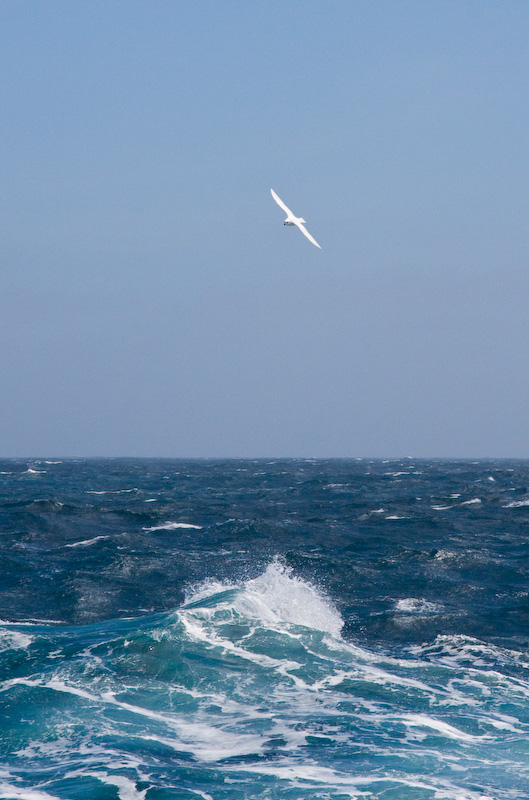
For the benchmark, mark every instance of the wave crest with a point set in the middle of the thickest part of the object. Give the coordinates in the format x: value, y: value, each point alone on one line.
x: 276, y: 598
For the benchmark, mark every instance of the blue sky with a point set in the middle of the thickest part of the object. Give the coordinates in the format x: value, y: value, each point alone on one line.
x: 153, y: 304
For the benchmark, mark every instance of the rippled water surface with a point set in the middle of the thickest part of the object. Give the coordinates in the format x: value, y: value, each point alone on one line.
x: 249, y: 630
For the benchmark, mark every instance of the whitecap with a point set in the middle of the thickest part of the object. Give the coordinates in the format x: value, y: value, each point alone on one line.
x: 276, y: 599
x: 112, y: 491
x: 456, y: 649
x: 441, y: 555
x: 476, y: 501
x: 86, y: 542
x: 279, y: 596
x: 517, y: 504
x: 413, y: 605
x: 14, y: 640
x: 172, y: 526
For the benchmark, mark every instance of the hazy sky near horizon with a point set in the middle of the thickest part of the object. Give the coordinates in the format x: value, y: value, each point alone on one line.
x: 153, y: 304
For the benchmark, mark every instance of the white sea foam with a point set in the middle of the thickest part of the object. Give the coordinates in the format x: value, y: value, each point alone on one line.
x: 201, y: 738
x: 444, y: 728
x: 377, y: 675
x: 301, y: 774
x: 278, y: 597
x: 172, y: 526
x: 445, y: 555
x: 114, y: 491
x: 86, y: 542
x: 455, y: 649
x: 341, y: 694
x: 201, y: 794
x: 285, y: 673
x: 14, y: 640
x: 10, y: 792
x: 126, y: 788
x: 517, y: 504
x: 31, y: 621
x: 476, y: 501
x: 198, y: 628
x: 414, y: 605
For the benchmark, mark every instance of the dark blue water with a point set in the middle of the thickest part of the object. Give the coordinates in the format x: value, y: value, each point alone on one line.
x: 312, y: 630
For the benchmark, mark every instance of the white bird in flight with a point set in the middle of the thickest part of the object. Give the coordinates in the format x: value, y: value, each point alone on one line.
x: 292, y: 220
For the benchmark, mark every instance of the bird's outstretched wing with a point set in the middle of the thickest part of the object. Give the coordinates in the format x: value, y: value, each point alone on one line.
x: 305, y: 232
x: 293, y: 220
x: 281, y: 204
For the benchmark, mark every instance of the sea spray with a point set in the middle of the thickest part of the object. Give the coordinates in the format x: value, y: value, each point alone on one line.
x: 136, y: 663
x: 275, y: 598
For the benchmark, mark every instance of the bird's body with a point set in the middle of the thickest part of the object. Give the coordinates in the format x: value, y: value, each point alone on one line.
x: 293, y: 220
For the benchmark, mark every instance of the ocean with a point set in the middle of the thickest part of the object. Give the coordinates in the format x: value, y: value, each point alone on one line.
x: 264, y: 629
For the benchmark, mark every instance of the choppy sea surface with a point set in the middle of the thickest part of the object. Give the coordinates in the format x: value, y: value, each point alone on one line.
x: 264, y: 630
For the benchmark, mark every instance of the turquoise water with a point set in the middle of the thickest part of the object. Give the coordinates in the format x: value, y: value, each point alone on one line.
x: 293, y: 629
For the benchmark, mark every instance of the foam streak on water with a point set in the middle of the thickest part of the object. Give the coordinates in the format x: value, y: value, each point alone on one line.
x: 252, y: 686
x: 292, y: 668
